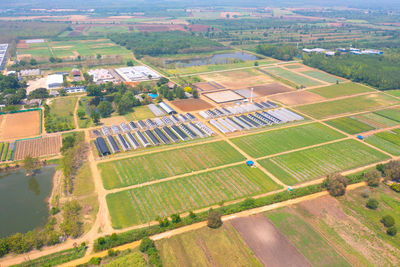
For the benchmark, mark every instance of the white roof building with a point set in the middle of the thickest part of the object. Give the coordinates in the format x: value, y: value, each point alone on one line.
x: 55, y: 81
x: 137, y: 73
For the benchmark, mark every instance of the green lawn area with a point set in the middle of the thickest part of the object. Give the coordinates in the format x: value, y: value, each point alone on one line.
x: 85, y: 122
x: 350, y: 125
x: 280, y: 140
x: 347, y: 105
x: 341, y: 89
x: 143, y: 204
x: 303, y: 236
x: 295, y: 66
x: 134, y: 258
x: 62, y: 110
x: 388, y: 141
x: 83, y: 183
x: 293, y: 77
x: 322, y: 76
x: 308, y: 164
x: 149, y: 167
x: 139, y: 113
x: 224, y: 246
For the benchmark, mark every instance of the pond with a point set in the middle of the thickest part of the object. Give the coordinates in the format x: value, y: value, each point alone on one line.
x: 23, y: 200
x: 223, y: 58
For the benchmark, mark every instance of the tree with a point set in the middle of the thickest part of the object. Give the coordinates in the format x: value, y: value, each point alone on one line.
x: 256, y: 63
x: 30, y: 165
x: 188, y: 89
x: 372, y: 177
x: 125, y: 103
x: 40, y: 93
x: 195, y: 93
x: 392, y: 231
x: 336, y: 184
x: 105, y: 108
x: 175, y: 218
x: 98, y: 56
x: 372, y: 204
x: 33, y: 62
x: 95, y: 115
x: 214, y: 219
x: 388, y: 221
x: 81, y: 113
x: 129, y: 63
x: 392, y: 170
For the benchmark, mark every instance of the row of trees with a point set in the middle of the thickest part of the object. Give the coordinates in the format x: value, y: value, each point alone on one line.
x: 282, y: 52
x: 382, y: 72
x: 12, y: 91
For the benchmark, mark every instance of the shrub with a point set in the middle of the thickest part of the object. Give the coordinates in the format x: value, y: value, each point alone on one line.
x: 365, y: 193
x: 175, y: 218
x: 392, y: 170
x: 113, y: 253
x: 336, y: 184
x: 372, y: 178
x: 372, y: 204
x: 192, y: 215
x: 248, y: 203
x: 214, y: 219
x: 95, y: 261
x: 395, y: 187
x: 163, y: 221
x: 388, y: 221
x: 392, y: 231
x: 146, y: 244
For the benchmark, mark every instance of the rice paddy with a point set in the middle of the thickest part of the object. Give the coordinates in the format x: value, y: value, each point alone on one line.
x: 308, y: 164
x: 149, y: 167
x: 144, y: 204
x: 276, y: 141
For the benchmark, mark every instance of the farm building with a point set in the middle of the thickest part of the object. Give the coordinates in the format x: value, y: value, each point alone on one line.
x: 55, y: 81
x: 167, y: 108
x: 76, y: 72
x: 3, y: 55
x: 101, y: 76
x: 102, y: 146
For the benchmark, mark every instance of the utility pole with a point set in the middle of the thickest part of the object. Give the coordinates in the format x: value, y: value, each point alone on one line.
x: 251, y: 95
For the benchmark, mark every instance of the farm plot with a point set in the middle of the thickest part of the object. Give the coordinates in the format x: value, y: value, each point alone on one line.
x: 20, y: 125
x: 191, y: 104
x: 308, y: 164
x: 350, y: 125
x: 268, y: 243
x: 61, y: 115
x: 308, y: 241
x: 297, y: 98
x: 238, y: 79
x: 387, y: 141
x: 322, y: 76
x: 144, y: 204
x: 276, y: 141
x: 149, y: 167
x: 341, y: 89
x: 348, y: 105
x: 292, y: 76
x: 38, y: 147
x: 207, y: 247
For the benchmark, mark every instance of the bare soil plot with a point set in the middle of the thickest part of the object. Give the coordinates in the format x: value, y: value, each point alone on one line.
x: 19, y: 125
x: 38, y: 147
x: 271, y: 89
x: 246, y: 93
x: 187, y: 105
x: 208, y: 86
x: 239, y: 79
x: 297, y: 98
x: 224, y: 96
x: 269, y: 245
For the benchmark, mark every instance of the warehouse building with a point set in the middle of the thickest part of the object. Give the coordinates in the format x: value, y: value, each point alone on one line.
x: 167, y: 108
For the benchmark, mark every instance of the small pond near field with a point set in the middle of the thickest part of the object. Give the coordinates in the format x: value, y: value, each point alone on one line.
x: 23, y: 200
x: 222, y: 58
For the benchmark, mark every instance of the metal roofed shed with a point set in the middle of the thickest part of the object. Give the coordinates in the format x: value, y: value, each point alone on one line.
x: 113, y: 145
x: 167, y: 108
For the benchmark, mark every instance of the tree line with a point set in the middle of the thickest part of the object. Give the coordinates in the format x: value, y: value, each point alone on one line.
x: 281, y: 52
x: 382, y: 72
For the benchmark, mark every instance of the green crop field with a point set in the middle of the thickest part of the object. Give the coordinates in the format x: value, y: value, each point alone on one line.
x: 391, y: 114
x: 347, y: 105
x: 322, y: 76
x: 139, y: 113
x: 276, y: 141
x: 388, y: 141
x: 303, y: 236
x: 341, y: 89
x: 350, y: 125
x: 394, y: 92
x: 293, y: 66
x: 293, y: 77
x: 149, y: 167
x: 144, y: 204
x: 308, y: 164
